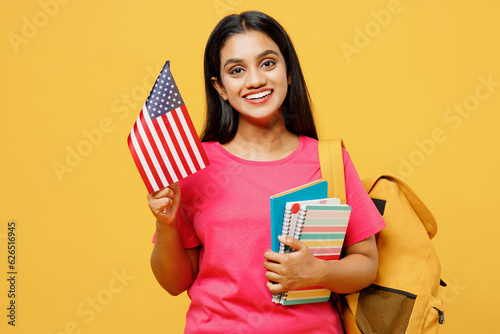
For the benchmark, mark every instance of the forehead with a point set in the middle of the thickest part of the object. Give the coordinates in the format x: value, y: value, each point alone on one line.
x: 247, y: 45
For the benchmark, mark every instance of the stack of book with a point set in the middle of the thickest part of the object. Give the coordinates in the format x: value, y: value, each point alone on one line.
x: 319, y: 222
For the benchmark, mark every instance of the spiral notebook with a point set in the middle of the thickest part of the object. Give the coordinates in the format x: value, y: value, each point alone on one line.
x: 321, y: 225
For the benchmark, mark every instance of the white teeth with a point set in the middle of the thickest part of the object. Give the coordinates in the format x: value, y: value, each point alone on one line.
x: 258, y: 95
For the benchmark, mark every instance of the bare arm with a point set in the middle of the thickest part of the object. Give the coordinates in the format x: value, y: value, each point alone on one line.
x: 174, y: 267
x: 301, y: 268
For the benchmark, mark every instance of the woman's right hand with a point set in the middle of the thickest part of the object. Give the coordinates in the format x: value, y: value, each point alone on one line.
x: 164, y: 204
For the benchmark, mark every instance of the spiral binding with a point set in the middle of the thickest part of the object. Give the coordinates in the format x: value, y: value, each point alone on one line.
x: 301, y: 218
x: 287, y: 218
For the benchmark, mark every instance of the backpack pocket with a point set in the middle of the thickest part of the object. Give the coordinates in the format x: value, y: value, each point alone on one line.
x: 384, y: 310
x: 433, y: 317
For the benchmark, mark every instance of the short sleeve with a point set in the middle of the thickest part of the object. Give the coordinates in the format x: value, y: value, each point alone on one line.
x: 365, y: 219
x: 186, y: 230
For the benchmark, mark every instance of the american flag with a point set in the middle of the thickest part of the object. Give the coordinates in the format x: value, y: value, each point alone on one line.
x: 163, y: 142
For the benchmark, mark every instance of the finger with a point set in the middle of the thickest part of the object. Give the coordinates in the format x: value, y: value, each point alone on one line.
x: 165, y: 192
x: 272, y: 276
x: 272, y: 266
x: 274, y: 287
x: 171, y: 192
x: 273, y: 256
x: 292, y: 242
x: 160, y: 205
x: 176, y: 192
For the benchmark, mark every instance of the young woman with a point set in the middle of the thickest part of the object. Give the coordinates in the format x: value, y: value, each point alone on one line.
x: 260, y: 138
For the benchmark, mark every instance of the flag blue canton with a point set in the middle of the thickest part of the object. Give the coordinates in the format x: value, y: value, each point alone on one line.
x: 165, y: 95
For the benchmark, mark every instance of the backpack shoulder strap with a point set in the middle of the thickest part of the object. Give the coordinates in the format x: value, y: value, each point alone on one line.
x: 420, y: 208
x: 332, y: 170
x: 332, y: 167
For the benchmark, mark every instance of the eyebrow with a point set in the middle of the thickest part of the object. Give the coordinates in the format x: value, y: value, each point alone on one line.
x: 260, y: 55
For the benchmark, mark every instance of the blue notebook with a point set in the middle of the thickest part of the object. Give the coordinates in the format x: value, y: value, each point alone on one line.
x: 314, y: 190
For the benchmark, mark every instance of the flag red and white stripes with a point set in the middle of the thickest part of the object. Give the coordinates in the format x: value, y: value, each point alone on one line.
x: 163, y: 142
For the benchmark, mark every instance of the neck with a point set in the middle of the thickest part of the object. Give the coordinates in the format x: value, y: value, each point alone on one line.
x: 262, y: 143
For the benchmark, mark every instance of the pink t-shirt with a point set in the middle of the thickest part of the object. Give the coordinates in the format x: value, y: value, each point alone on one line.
x: 225, y: 209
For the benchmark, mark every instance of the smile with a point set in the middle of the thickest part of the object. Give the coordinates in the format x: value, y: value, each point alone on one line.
x: 258, y: 96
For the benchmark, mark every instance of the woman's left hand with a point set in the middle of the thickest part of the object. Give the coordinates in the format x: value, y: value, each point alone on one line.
x: 291, y: 271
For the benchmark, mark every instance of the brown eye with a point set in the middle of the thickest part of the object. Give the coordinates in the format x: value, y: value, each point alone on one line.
x: 236, y: 70
x: 268, y: 63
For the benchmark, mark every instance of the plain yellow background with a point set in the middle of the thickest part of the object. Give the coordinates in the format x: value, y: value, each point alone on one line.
x: 390, y: 77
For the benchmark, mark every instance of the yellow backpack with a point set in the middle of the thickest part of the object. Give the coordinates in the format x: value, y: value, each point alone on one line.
x: 404, y: 297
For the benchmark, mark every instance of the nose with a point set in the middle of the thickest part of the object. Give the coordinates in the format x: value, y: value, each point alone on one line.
x: 255, y: 78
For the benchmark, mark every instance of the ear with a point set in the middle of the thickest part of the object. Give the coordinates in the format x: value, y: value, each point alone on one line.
x: 219, y: 87
x: 289, y: 81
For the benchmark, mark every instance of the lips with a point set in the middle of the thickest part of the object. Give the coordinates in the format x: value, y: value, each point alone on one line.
x: 259, y: 95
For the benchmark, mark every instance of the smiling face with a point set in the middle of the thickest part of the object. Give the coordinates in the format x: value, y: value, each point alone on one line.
x: 253, y: 77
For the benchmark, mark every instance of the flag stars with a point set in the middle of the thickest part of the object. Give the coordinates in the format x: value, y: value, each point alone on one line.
x: 165, y: 95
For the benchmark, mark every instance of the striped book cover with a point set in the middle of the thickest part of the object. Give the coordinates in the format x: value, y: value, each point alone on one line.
x: 322, y: 228
x: 290, y: 218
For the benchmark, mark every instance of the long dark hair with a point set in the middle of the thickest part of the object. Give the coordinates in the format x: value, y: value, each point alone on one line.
x: 221, y: 119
